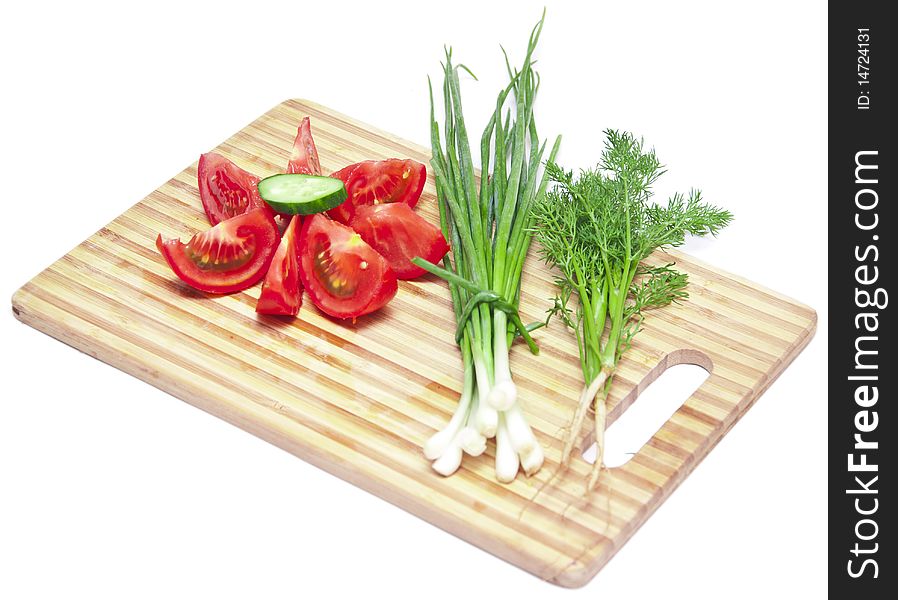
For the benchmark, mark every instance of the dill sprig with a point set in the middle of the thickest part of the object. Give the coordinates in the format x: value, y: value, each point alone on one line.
x: 597, y: 229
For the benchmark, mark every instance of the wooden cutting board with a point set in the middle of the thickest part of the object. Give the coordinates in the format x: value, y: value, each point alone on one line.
x: 359, y: 400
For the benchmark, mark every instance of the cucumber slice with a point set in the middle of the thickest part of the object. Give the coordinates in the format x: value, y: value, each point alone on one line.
x: 298, y: 194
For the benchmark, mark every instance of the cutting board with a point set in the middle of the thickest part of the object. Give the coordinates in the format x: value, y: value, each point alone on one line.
x: 359, y: 399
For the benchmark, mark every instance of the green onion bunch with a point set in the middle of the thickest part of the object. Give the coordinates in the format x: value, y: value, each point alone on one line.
x: 489, y: 226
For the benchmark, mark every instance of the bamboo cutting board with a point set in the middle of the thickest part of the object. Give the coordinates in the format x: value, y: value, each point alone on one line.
x: 360, y: 400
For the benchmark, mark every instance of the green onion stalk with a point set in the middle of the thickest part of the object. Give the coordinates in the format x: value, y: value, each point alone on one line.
x: 489, y: 227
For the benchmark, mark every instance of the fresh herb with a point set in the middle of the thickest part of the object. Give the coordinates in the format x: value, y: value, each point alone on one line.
x: 597, y: 229
x: 489, y: 231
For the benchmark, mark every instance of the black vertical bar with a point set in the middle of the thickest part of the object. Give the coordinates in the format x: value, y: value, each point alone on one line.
x: 862, y: 230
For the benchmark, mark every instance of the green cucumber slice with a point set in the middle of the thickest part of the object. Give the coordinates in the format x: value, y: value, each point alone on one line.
x: 298, y: 194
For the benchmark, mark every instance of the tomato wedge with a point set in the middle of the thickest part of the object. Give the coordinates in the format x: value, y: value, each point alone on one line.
x: 229, y: 257
x: 344, y: 276
x: 400, y: 234
x: 281, y: 289
x: 304, y: 157
x: 225, y: 189
x: 379, y: 182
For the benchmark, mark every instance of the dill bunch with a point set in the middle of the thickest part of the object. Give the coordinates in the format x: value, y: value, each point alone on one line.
x: 597, y: 229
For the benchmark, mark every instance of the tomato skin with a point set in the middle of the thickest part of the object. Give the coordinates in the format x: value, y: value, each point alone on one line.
x: 229, y: 257
x: 399, y: 234
x: 281, y: 289
x: 344, y: 276
x: 225, y: 189
x: 304, y: 156
x: 344, y: 212
x: 379, y: 182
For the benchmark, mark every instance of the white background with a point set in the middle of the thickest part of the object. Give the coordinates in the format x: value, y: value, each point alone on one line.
x: 113, y: 489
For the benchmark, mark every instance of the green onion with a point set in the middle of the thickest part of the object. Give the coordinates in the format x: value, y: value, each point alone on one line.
x: 489, y: 228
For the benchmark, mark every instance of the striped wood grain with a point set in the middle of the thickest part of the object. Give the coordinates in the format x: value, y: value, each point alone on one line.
x: 359, y: 400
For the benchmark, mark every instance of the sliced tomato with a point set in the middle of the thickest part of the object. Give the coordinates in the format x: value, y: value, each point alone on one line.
x: 344, y: 276
x: 304, y: 157
x: 225, y: 189
x: 281, y: 289
x: 400, y: 234
x: 229, y: 257
x: 379, y: 182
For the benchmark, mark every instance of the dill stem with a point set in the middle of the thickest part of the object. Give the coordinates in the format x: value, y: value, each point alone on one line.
x: 600, y: 416
x: 587, y: 395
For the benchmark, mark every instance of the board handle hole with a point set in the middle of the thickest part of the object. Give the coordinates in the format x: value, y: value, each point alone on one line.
x: 648, y: 412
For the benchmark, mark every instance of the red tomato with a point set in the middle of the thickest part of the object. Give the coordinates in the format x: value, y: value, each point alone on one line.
x: 281, y: 289
x: 399, y: 234
x: 304, y: 157
x: 225, y: 189
x: 379, y: 182
x: 344, y: 276
x: 229, y: 257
